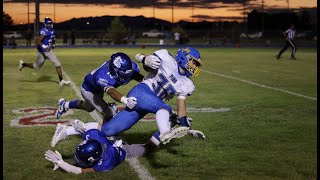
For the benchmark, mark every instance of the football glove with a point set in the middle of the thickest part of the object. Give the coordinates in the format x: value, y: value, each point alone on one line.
x: 130, y: 102
x: 196, y: 133
x: 152, y: 61
x: 54, y: 157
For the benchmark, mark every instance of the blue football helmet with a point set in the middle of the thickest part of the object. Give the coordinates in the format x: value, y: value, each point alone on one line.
x: 189, y: 60
x: 48, y: 23
x: 120, y: 65
x: 88, y: 152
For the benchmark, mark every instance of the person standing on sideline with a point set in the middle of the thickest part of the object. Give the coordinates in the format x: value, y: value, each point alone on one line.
x: 45, y: 44
x: 289, y: 35
x: 177, y: 37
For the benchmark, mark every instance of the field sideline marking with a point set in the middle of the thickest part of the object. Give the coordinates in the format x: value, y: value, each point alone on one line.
x: 261, y: 85
x: 142, y: 172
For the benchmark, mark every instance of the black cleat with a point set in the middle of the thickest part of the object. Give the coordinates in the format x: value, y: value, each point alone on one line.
x: 293, y: 58
x: 277, y: 56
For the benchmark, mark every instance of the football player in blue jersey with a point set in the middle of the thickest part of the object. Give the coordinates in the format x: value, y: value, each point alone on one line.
x: 96, y: 153
x: 117, y: 71
x: 45, y: 44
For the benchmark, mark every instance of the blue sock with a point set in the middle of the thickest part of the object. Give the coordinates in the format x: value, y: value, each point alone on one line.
x: 155, y: 138
x: 74, y: 104
x: 184, y: 121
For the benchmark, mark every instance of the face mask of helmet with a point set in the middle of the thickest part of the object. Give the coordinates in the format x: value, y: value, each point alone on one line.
x: 123, y: 76
x: 193, y: 66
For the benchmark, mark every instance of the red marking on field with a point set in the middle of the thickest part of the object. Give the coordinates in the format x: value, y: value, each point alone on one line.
x: 37, y: 116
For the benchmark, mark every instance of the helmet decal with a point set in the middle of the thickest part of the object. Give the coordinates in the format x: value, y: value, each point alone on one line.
x: 117, y: 62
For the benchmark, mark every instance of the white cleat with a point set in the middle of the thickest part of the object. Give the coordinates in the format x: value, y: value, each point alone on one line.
x: 79, y: 126
x: 61, y: 108
x: 59, y: 135
x: 20, y: 64
x: 173, y: 133
x: 63, y: 82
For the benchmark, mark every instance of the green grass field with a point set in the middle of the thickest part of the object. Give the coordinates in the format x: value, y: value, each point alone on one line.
x: 270, y: 131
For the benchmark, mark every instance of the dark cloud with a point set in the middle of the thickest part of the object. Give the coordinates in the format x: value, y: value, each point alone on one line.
x: 217, y: 18
x: 147, y: 3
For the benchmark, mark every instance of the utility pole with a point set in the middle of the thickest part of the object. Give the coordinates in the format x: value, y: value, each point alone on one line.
x: 244, y: 17
x: 28, y: 14
x: 172, y: 12
x: 54, y: 11
x: 262, y: 17
x: 153, y: 9
x: 192, y: 11
x: 37, y: 17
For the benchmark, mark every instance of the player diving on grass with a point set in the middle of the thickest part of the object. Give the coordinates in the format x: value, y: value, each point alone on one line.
x: 95, y: 153
x: 45, y: 44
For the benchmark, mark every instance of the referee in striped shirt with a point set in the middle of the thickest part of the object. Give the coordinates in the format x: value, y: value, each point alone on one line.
x: 289, y: 35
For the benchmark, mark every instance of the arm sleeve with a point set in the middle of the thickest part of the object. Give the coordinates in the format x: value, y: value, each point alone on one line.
x: 69, y: 168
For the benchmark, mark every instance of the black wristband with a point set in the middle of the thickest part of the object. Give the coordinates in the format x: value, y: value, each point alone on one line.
x: 143, y: 60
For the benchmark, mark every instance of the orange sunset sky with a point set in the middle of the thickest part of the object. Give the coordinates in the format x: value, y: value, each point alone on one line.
x: 63, y: 12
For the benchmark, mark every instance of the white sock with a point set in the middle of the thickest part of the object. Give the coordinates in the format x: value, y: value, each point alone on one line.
x: 91, y: 125
x: 71, y: 131
x: 66, y: 105
x: 162, y: 118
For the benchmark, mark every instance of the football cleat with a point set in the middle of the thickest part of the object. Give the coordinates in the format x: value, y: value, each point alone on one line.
x: 61, y: 108
x: 173, y: 133
x: 59, y: 135
x: 63, y: 82
x: 79, y: 126
x: 21, y: 65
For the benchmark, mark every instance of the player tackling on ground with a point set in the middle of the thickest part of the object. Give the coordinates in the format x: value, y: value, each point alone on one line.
x: 45, y: 44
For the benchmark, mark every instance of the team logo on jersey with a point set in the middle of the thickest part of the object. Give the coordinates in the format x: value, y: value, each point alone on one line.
x: 103, y: 81
x: 117, y: 62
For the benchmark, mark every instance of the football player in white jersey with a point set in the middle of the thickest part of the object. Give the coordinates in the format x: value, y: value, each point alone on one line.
x: 168, y: 77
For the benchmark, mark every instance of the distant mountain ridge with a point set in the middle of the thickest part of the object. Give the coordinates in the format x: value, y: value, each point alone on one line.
x: 134, y: 23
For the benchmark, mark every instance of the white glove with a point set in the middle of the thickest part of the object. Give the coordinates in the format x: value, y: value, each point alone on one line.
x: 196, y: 133
x: 129, y: 102
x: 54, y: 157
x: 152, y: 61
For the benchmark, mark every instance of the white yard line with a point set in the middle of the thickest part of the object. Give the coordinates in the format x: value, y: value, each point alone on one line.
x: 261, y: 85
x: 142, y: 172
